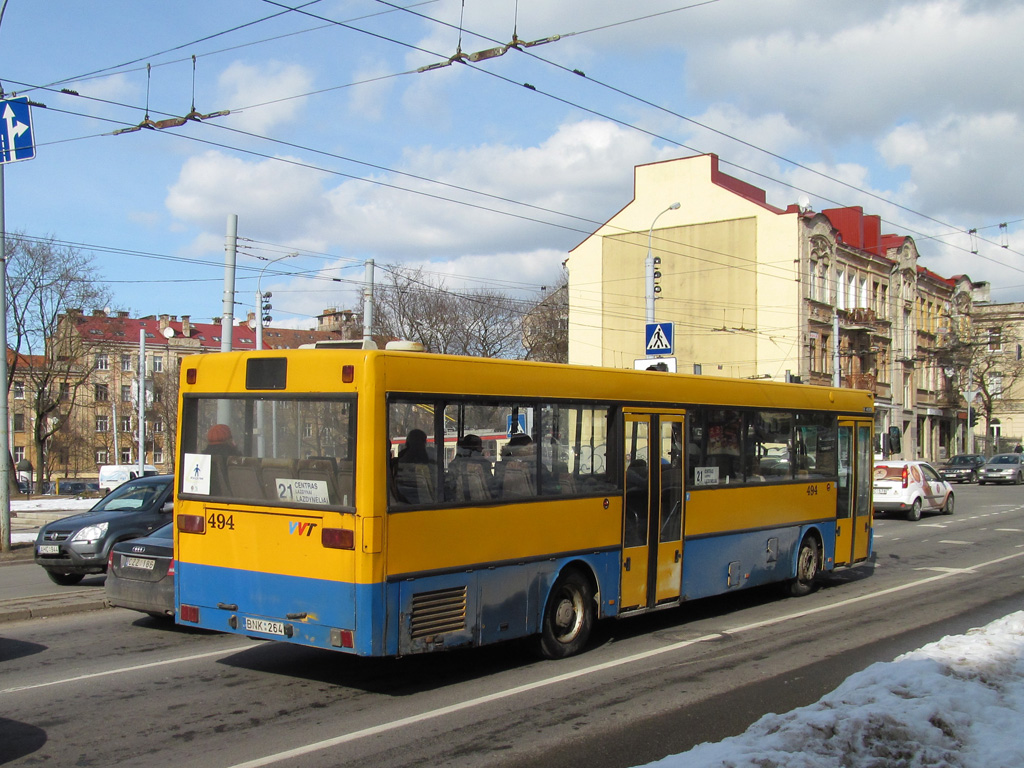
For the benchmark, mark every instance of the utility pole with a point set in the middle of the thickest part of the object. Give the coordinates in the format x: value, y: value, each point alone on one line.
x: 227, y: 319
x: 368, y: 342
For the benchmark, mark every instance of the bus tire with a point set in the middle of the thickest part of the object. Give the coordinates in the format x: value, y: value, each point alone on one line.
x: 806, y: 568
x: 568, y: 616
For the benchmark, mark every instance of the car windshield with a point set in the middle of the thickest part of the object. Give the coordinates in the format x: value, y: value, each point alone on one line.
x: 1005, y: 458
x: 132, y: 496
x: 961, y: 461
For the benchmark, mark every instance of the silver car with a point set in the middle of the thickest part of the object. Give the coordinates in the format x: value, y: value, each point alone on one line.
x: 1002, y: 468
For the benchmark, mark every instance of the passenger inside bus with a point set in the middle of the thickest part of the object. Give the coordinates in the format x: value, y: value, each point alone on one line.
x: 414, y: 470
x: 470, y: 476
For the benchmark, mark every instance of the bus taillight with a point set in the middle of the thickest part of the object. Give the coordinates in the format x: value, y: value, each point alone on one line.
x: 337, y: 538
x: 348, y: 374
x: 191, y: 523
x: 189, y: 613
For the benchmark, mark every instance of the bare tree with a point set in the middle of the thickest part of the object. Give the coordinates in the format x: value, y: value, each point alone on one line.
x: 546, y: 326
x: 987, y: 360
x: 47, y: 285
x: 414, y: 306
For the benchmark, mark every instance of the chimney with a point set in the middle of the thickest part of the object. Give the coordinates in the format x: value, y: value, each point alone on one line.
x: 186, y: 326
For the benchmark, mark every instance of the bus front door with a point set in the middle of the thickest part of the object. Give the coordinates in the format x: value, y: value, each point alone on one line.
x: 853, y: 502
x: 653, y: 510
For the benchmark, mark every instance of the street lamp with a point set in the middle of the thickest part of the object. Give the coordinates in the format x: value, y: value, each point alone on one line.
x: 260, y: 298
x: 649, y: 264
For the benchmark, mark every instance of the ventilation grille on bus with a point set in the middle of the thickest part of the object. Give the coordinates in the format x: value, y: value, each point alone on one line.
x: 437, y: 612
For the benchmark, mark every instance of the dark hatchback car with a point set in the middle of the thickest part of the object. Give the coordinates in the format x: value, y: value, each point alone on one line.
x: 140, y: 573
x: 962, y: 468
x: 73, y: 547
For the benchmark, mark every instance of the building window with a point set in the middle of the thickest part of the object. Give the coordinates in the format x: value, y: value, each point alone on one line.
x: 158, y: 455
x: 812, y: 283
x: 101, y: 457
x: 158, y: 425
x: 126, y: 456
x: 126, y: 393
x: 126, y: 362
x: 19, y: 390
x: 102, y: 363
x: 995, y: 339
x: 840, y: 297
x: 126, y: 423
x: 19, y: 453
x: 158, y: 364
x: 19, y: 422
x: 102, y: 423
x: 813, y: 354
x: 65, y: 392
x: 102, y: 392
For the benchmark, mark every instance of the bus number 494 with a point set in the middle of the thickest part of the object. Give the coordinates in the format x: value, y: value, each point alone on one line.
x: 221, y: 521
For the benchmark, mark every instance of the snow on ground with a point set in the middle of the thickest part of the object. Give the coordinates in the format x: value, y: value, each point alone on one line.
x: 67, y: 505
x: 956, y: 703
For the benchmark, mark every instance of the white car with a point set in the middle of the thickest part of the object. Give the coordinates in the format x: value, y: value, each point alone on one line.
x: 911, y: 487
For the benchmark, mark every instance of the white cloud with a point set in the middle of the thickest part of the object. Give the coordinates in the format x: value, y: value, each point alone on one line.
x: 966, y: 165
x: 262, y: 93
x: 272, y: 199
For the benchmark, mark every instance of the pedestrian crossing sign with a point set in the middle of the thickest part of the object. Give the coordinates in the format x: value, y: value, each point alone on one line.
x: 659, y: 338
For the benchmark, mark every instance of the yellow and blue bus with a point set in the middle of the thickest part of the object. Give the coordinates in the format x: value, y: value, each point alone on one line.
x: 385, y: 503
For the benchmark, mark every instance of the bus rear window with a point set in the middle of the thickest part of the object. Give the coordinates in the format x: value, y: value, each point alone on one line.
x: 270, y: 451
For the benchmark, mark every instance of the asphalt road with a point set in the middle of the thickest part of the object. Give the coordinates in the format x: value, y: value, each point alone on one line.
x: 113, y: 687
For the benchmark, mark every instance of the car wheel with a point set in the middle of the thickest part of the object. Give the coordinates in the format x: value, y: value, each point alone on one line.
x: 914, y: 513
x: 64, y: 579
x: 981, y: 482
x: 806, y: 569
x: 947, y: 509
x: 1017, y: 479
x: 568, y: 616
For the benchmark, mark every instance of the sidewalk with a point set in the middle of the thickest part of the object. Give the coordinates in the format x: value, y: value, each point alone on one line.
x: 27, y: 515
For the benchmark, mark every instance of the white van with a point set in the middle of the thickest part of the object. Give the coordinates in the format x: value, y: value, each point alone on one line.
x: 112, y: 475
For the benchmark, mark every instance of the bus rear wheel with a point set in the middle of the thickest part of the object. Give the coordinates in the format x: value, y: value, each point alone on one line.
x: 568, y: 616
x: 806, y: 569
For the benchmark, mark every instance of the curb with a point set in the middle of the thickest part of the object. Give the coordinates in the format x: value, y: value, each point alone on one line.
x: 48, y: 606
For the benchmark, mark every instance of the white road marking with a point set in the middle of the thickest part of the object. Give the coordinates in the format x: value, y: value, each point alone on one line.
x: 120, y: 670
x: 509, y: 692
x: 953, y: 541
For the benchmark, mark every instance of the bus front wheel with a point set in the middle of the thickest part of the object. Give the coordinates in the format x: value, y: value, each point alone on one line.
x: 568, y: 616
x: 806, y: 568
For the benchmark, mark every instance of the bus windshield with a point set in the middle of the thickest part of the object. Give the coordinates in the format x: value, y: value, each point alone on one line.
x: 270, y: 450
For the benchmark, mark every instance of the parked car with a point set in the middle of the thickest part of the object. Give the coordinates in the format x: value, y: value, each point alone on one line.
x: 911, y: 487
x: 1002, y: 468
x: 962, y: 468
x: 140, y: 573
x: 72, y: 547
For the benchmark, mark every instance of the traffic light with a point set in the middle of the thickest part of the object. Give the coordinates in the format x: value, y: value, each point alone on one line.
x: 973, y: 417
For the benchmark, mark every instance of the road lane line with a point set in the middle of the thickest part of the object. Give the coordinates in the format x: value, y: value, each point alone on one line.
x: 509, y: 692
x: 134, y: 668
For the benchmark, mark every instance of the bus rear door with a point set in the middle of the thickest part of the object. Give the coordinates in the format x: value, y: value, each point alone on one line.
x: 653, y: 510
x: 853, y: 502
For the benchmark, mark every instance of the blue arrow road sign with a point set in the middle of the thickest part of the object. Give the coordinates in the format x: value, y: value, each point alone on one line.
x: 16, y: 141
x: 659, y: 338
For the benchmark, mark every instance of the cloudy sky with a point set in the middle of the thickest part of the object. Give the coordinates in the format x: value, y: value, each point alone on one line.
x: 486, y: 173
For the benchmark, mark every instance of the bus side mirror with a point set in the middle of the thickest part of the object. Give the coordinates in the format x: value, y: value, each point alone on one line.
x: 895, y: 440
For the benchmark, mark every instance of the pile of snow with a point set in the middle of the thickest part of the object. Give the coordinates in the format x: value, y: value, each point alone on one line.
x: 956, y: 703
x: 64, y: 505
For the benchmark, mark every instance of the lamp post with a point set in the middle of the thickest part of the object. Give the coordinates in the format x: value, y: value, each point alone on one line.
x: 649, y: 264
x: 260, y: 297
